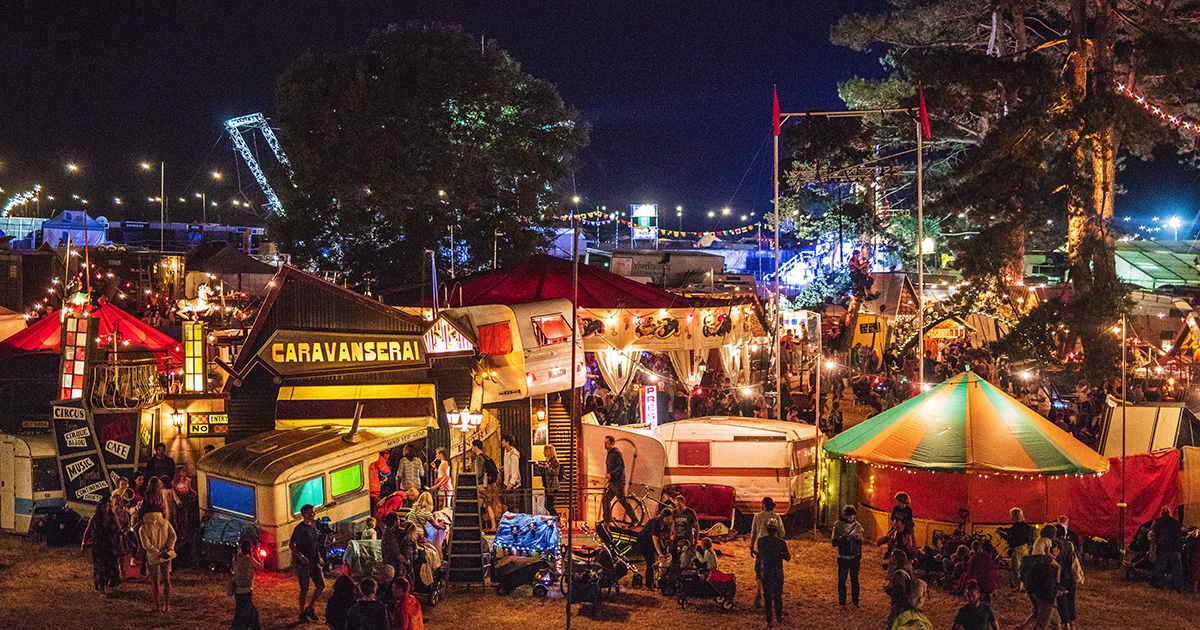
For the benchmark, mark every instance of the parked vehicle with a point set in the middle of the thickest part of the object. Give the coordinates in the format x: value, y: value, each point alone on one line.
x: 30, y: 482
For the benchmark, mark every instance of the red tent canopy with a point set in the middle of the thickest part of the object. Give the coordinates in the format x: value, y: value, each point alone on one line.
x: 543, y: 277
x: 45, y: 334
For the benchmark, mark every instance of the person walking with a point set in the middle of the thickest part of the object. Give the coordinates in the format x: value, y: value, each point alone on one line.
x: 305, y: 546
x: 1018, y: 536
x: 368, y: 613
x: 158, y: 540
x: 1041, y: 582
x: 758, y: 529
x: 772, y: 552
x: 614, y: 489
x: 552, y: 477
x: 511, y: 472
x: 848, y: 538
x: 103, y: 535
x: 244, y: 565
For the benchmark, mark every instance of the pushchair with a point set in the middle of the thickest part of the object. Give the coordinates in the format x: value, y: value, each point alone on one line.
x: 685, y: 584
x: 435, y: 588
x: 220, y: 536
x: 525, y: 551
x: 617, y: 543
x: 1138, y: 560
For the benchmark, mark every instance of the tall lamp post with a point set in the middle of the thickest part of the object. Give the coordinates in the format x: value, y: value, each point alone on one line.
x: 162, y: 202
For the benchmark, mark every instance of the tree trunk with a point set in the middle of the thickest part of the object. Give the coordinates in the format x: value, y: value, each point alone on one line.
x: 1080, y: 227
x: 1104, y: 146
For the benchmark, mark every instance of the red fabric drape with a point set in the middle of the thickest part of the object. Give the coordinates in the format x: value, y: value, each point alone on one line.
x: 495, y: 339
x: 1151, y: 481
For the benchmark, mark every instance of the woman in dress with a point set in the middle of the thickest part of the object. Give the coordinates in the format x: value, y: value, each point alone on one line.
x: 103, y: 535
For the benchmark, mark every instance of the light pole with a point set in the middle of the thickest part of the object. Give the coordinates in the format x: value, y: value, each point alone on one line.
x: 679, y: 215
x: 162, y: 201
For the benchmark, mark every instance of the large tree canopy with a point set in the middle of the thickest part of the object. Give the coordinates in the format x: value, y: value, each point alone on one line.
x: 417, y: 130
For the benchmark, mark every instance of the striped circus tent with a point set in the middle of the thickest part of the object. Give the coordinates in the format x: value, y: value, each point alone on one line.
x: 966, y: 425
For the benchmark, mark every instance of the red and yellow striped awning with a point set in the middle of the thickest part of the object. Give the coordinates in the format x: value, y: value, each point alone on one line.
x: 967, y: 425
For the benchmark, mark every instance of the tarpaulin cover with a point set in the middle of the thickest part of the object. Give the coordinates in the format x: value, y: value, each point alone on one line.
x: 967, y: 425
x: 543, y: 277
x: 45, y: 333
x: 527, y: 532
x: 1151, y: 481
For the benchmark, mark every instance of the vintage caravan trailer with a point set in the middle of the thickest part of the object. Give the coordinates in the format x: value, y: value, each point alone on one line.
x: 265, y: 479
x: 29, y: 479
x: 758, y: 458
x: 545, y: 329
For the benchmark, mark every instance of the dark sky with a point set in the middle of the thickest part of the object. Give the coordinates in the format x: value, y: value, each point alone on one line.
x: 678, y: 94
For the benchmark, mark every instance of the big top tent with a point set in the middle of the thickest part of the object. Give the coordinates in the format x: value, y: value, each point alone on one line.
x: 45, y: 334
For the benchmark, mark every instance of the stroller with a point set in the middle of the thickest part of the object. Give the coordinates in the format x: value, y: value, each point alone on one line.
x: 524, y: 552
x: 596, y: 573
x: 433, y: 587
x: 1138, y: 560
x: 687, y: 584
x: 220, y: 536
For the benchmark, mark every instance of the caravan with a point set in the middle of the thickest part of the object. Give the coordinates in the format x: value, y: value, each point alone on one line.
x: 29, y: 480
x: 262, y: 481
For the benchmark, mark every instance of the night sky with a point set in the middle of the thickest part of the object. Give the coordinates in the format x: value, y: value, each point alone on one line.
x: 678, y: 94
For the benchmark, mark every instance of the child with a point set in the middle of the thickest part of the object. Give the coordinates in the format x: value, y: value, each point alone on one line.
x: 687, y: 557
x: 408, y: 610
x: 706, y: 558
x: 975, y: 615
x: 368, y: 612
x: 245, y: 564
x: 369, y: 533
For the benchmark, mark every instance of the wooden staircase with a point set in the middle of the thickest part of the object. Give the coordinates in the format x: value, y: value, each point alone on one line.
x: 467, y: 564
x: 558, y: 424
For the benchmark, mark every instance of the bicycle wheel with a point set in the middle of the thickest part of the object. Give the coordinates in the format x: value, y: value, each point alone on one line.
x: 631, y: 519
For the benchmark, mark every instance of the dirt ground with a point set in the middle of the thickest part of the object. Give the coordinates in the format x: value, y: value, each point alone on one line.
x: 51, y: 588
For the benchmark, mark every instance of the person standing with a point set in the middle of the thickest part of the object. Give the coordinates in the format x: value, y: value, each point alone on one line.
x: 758, y: 529
x: 772, y: 552
x: 649, y: 542
x: 158, y: 540
x: 368, y: 613
x: 377, y: 473
x: 410, y: 470
x: 1018, y: 536
x: 103, y: 535
x: 339, y: 603
x: 836, y: 420
x: 1168, y: 550
x: 306, y: 555
x: 899, y: 584
x: 975, y: 614
x: 848, y: 538
x: 687, y: 524
x: 1066, y: 580
x: 244, y: 565
x: 486, y: 477
x: 511, y: 472
x: 406, y: 614
x: 443, y: 485
x: 552, y: 476
x: 160, y: 465
x: 614, y: 489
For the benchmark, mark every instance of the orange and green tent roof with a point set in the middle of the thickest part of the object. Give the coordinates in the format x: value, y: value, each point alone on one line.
x: 966, y: 424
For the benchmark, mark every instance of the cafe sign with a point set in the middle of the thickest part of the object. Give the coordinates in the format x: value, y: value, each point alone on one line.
x: 298, y: 352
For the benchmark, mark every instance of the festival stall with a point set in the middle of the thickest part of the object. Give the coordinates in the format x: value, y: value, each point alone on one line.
x: 964, y: 452
x: 115, y: 327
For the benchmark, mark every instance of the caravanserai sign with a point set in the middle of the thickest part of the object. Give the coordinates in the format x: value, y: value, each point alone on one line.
x: 292, y: 352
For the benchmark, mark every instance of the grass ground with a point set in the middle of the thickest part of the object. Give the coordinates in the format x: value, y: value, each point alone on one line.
x: 51, y: 588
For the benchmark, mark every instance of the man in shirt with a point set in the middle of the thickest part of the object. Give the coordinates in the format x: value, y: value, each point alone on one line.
x: 772, y: 551
x: 758, y: 529
x: 511, y: 472
x: 306, y: 555
x: 486, y: 478
x: 160, y: 465
x: 614, y: 489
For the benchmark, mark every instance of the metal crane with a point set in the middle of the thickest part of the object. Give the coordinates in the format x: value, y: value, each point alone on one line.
x: 258, y: 121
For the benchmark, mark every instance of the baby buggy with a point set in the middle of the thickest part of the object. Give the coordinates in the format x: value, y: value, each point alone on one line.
x: 687, y: 584
x: 429, y: 583
x: 525, y: 551
x: 1138, y: 561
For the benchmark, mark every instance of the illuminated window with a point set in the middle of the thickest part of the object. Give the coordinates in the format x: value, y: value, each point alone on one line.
x: 75, y: 334
x: 551, y: 329
x: 694, y: 454
x: 311, y: 492
x: 193, y: 356
x: 345, y: 480
x: 234, y: 498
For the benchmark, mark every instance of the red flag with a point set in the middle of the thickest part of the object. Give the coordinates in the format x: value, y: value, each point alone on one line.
x: 921, y: 112
x: 775, y: 92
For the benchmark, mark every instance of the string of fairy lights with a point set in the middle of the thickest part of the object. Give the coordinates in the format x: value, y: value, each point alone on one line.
x: 600, y: 218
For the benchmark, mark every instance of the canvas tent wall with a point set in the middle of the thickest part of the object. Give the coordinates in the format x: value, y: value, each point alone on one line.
x: 1148, y: 428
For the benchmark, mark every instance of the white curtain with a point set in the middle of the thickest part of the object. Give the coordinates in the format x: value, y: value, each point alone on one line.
x: 687, y: 366
x: 617, y: 367
x: 731, y: 359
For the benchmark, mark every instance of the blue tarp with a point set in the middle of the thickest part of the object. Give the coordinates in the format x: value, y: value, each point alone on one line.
x: 527, y: 532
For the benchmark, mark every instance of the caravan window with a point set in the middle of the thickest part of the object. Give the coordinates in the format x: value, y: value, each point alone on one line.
x: 802, y: 455
x: 551, y: 329
x: 694, y: 454
x: 309, y: 492
x: 345, y: 480
x: 234, y: 498
x: 45, y: 475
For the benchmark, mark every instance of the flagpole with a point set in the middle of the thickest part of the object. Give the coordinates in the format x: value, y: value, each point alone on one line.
x: 920, y: 253
x: 778, y: 302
